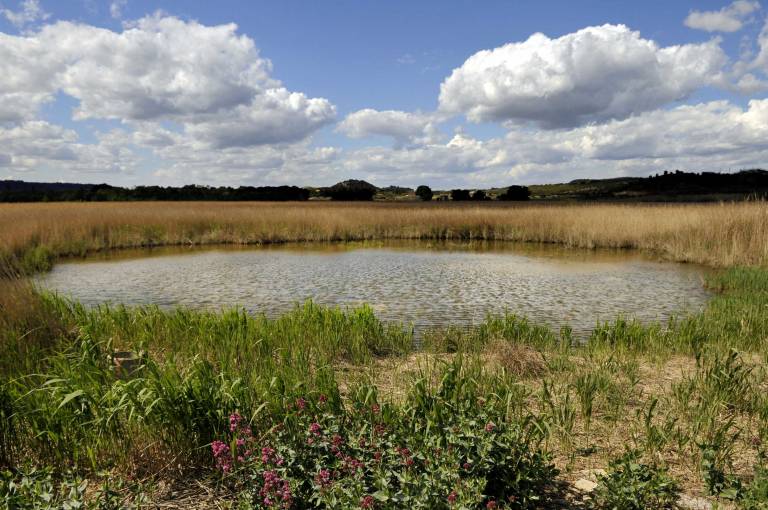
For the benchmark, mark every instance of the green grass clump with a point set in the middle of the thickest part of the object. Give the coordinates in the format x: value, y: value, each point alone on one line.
x: 193, y: 369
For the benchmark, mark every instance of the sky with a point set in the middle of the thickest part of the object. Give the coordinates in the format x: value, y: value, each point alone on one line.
x: 450, y: 93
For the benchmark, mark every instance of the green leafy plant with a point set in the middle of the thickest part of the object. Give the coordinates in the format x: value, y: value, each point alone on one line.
x: 37, y: 489
x: 448, y: 447
x: 632, y: 485
x: 755, y: 495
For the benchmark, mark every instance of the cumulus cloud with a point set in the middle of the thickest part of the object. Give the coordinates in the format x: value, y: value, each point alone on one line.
x: 39, y: 145
x: 29, y: 12
x: 277, y: 116
x: 709, y: 136
x: 188, y: 94
x: 593, y: 75
x: 159, y: 68
x: 403, y: 127
x: 200, y: 104
x: 727, y: 19
x: 27, y: 73
x: 712, y: 136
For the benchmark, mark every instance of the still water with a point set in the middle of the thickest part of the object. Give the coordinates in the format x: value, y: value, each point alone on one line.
x: 426, y: 284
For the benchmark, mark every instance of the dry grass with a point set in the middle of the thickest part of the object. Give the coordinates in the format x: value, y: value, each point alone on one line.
x: 519, y: 360
x: 714, y: 234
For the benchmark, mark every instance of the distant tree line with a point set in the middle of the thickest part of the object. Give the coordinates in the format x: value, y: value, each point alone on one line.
x: 19, y: 191
x: 678, y: 181
x: 667, y: 185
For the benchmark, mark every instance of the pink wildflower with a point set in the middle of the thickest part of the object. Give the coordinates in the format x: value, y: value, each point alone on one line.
x: 234, y: 421
x: 267, y: 454
x: 323, y: 478
x: 222, y: 455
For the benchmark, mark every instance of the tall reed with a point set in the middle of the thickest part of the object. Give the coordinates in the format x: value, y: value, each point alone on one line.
x: 716, y: 234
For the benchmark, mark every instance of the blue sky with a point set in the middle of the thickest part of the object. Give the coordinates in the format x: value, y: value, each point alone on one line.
x: 386, y: 91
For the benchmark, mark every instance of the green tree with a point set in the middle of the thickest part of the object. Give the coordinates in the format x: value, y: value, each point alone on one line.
x: 424, y: 193
x: 516, y: 193
x: 459, y: 194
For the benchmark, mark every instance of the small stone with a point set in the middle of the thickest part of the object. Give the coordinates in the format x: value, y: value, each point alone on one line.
x: 693, y: 503
x: 593, y: 474
x: 584, y: 485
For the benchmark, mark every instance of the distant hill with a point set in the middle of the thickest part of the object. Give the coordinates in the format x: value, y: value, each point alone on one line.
x: 666, y: 186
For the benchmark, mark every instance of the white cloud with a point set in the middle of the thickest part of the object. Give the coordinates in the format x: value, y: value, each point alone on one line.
x: 199, y: 104
x: 210, y: 79
x: 595, y: 74
x: 41, y: 146
x: 189, y: 162
x: 712, y: 136
x: 116, y: 8
x: 188, y: 94
x: 29, y: 12
x: 403, y: 127
x: 750, y: 73
x: 160, y: 67
x: 727, y: 19
x: 276, y: 116
x: 760, y: 62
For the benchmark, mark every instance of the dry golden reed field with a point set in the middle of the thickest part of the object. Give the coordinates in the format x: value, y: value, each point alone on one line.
x: 723, y: 234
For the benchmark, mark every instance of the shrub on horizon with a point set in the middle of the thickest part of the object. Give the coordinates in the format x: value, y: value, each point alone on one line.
x: 424, y: 193
x: 516, y: 193
x: 459, y: 195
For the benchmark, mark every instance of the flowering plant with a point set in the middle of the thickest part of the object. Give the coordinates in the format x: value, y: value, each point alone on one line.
x: 382, y: 456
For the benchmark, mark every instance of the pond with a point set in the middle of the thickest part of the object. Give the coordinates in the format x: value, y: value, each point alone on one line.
x: 424, y: 283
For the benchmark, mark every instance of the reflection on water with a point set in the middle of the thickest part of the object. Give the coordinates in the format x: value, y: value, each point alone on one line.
x: 426, y: 284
